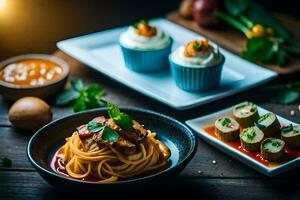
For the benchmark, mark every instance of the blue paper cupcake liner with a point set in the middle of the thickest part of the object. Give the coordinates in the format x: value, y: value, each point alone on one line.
x: 197, y: 79
x: 146, y: 60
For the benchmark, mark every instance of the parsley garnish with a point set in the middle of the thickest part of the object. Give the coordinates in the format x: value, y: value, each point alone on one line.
x: 141, y: 21
x: 197, y: 46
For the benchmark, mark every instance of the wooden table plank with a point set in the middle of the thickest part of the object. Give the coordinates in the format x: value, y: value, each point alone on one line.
x: 29, y: 185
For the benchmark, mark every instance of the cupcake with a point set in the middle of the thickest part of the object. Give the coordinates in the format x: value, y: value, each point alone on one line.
x: 197, y: 66
x: 145, y: 48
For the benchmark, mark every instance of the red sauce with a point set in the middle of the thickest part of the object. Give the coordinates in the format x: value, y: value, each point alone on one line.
x: 290, y: 154
x: 58, y: 166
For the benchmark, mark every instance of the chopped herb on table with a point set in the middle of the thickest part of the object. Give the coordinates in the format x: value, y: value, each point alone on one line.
x: 267, y: 40
x: 5, y: 162
x: 81, y: 97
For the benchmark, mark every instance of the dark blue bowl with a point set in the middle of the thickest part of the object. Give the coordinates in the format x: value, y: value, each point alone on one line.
x: 195, y: 79
x: 46, y: 141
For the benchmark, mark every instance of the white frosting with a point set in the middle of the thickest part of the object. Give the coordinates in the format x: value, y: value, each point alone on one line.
x: 208, y: 58
x: 131, y: 39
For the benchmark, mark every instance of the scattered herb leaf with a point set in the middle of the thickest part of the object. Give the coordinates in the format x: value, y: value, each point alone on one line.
x: 66, y: 97
x: 77, y: 85
x: 81, y: 97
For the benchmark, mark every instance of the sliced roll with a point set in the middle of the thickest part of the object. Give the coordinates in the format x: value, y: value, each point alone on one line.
x: 227, y: 129
x: 269, y: 124
x: 251, y: 138
x: 272, y: 149
x: 246, y: 114
x: 291, y: 136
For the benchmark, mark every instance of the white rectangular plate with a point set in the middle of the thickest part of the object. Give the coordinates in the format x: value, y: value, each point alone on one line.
x: 101, y: 51
x: 198, y: 125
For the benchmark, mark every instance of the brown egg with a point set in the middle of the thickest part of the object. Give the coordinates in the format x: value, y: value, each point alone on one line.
x: 30, y: 113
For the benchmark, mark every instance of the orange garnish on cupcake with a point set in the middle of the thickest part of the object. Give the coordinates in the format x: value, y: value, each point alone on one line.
x: 195, y: 46
x: 143, y: 28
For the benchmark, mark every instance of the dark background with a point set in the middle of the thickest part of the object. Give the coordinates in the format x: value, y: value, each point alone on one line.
x: 34, y: 26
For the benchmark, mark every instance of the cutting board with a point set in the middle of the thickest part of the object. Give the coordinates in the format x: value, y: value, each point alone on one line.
x: 234, y: 41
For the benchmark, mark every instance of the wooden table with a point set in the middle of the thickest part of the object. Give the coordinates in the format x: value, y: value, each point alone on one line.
x: 227, y: 179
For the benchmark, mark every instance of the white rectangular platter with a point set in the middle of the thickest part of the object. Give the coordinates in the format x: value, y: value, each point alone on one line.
x: 198, y: 125
x: 101, y: 52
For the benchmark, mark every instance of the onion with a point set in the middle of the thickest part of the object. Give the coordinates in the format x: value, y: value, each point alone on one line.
x: 203, y: 12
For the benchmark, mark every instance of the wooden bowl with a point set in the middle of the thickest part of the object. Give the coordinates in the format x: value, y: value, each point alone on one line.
x: 14, y: 92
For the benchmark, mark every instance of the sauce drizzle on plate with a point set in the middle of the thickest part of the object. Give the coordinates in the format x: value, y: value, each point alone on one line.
x: 290, y: 154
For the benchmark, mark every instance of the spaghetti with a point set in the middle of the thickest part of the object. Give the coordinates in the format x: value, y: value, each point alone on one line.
x: 86, y: 158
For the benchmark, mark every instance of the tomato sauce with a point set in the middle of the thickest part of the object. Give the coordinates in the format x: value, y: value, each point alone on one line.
x: 31, y: 72
x: 290, y: 154
x: 58, y: 166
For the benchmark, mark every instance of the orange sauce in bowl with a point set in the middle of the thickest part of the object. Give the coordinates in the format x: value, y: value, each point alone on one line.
x: 31, y: 72
x: 289, y: 154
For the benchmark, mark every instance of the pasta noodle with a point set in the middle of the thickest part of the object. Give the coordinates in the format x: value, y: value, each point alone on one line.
x: 106, y: 163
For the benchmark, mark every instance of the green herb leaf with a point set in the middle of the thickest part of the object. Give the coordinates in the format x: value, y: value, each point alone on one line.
x: 121, y: 119
x: 286, y: 97
x: 77, y: 85
x: 66, y: 97
x: 109, y: 135
x: 124, y: 120
x: 6, y: 162
x: 264, y: 49
x: 94, y: 91
x: 94, y: 127
x: 236, y: 7
x: 197, y: 46
x: 113, y: 110
x: 136, y: 24
x: 80, y: 103
x: 82, y: 97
